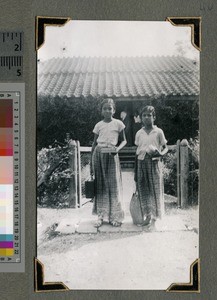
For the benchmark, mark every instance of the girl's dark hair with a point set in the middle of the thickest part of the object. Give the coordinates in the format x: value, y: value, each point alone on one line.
x: 108, y: 101
x: 148, y: 108
x: 136, y: 113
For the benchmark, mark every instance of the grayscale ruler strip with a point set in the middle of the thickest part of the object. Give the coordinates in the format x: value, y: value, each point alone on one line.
x: 12, y: 186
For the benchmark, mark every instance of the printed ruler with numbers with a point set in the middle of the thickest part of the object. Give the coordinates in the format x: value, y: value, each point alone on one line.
x: 11, y: 55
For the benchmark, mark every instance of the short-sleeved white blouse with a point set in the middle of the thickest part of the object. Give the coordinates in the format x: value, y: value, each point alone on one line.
x: 108, y: 132
x: 144, y: 140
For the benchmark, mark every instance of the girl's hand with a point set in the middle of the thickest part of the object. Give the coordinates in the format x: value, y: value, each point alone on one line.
x: 156, y: 153
x: 114, y: 150
x: 91, y: 170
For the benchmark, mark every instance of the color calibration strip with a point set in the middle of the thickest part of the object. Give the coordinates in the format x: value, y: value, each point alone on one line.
x: 6, y: 178
x: 10, y: 179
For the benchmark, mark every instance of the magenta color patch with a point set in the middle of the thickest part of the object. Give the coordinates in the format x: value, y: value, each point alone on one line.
x: 6, y: 245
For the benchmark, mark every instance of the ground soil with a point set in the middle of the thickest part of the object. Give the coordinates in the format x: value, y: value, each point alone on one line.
x: 117, y: 260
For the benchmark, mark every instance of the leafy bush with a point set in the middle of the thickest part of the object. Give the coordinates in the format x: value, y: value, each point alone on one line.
x: 54, y: 190
x: 170, y: 173
x: 193, y: 182
x: 53, y: 187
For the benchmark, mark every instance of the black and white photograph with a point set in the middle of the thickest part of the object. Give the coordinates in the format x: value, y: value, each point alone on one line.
x: 118, y: 154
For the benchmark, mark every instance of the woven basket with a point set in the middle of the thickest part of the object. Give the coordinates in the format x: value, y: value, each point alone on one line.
x: 135, y: 209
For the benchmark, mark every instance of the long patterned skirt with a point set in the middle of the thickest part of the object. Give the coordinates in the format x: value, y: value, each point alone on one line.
x: 108, y: 202
x: 150, y: 187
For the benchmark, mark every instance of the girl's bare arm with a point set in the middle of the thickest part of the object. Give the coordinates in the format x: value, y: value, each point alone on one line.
x: 94, y: 142
x: 164, y: 150
x: 123, y: 141
x: 92, y: 149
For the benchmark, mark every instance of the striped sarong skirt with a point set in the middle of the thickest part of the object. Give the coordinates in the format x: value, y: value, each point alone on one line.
x: 150, y: 187
x: 108, y: 201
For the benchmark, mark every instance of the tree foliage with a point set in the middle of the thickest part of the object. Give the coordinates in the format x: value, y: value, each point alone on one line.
x: 58, y: 116
x: 178, y: 119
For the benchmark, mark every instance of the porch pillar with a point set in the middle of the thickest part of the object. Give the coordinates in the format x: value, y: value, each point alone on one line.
x: 73, y: 185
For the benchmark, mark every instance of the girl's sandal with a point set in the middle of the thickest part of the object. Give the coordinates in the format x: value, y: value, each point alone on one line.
x: 151, y: 225
x: 98, y: 223
x: 145, y: 223
x: 116, y: 224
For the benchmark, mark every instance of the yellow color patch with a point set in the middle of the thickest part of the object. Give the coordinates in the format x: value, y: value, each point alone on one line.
x: 6, y: 252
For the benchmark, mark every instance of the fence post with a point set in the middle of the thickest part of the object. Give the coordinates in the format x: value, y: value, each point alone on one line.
x: 178, y: 173
x: 184, y: 170
x: 73, y: 186
x: 79, y: 174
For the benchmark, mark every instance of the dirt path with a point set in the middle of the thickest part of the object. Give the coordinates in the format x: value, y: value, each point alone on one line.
x: 117, y: 260
x: 136, y: 261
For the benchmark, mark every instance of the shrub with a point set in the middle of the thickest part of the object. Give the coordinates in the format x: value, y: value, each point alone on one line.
x: 193, y: 182
x: 170, y: 173
x: 54, y: 190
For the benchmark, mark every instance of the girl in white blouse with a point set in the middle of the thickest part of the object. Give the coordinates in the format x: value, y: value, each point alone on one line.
x: 151, y: 146
x: 105, y: 166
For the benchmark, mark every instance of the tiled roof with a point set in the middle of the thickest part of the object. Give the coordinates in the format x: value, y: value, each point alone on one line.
x: 118, y: 77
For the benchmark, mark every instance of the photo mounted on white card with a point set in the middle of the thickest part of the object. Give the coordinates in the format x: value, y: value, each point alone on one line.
x: 118, y: 154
